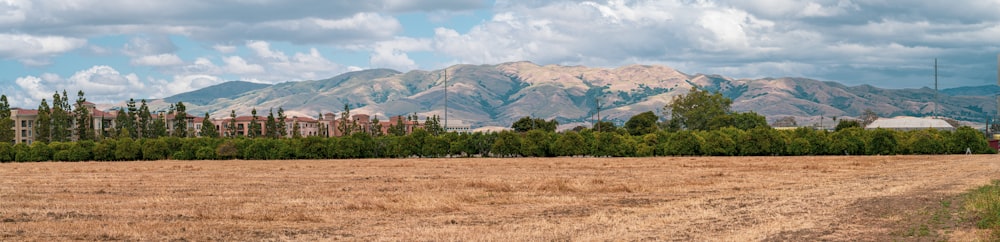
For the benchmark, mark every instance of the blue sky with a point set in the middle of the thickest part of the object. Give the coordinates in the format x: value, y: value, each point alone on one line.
x: 119, y: 49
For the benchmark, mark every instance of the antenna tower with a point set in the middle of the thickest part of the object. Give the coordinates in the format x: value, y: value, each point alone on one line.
x: 935, y: 88
x: 446, y: 99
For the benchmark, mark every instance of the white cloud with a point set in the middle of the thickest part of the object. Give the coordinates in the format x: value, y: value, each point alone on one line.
x: 146, y: 46
x: 237, y: 65
x: 263, y: 50
x: 393, y: 54
x: 158, y: 60
x: 225, y: 49
x: 34, y: 50
x: 99, y: 83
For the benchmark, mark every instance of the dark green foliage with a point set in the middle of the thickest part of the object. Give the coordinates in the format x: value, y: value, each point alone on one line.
x: 127, y: 149
x: 746, y: 121
x: 883, y: 142
x: 846, y: 124
x: 7, y: 152
x: 527, y: 123
x: 685, y: 143
x: 719, y: 143
x: 180, y: 120
x: 507, y: 144
x: 570, y: 144
x: 849, y: 141
x: 642, y: 124
x: 762, y: 141
x: 6, y: 124
x: 965, y: 138
x: 208, y: 128
x: 154, y: 149
x: 84, y: 121
x: 608, y: 144
x: 535, y: 144
x: 43, y: 123
x: 697, y: 109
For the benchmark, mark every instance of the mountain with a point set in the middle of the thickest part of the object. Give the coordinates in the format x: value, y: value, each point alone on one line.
x: 208, y: 94
x: 987, y: 90
x: 497, y: 95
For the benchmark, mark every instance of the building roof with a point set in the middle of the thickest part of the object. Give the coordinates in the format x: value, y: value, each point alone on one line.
x: 909, y: 123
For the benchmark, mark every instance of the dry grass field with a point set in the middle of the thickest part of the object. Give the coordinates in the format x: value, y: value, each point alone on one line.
x: 683, y: 198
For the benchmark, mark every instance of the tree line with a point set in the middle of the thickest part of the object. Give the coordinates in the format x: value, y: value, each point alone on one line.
x: 700, y: 124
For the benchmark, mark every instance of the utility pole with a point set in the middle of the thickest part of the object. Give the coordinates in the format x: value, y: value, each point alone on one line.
x: 935, y: 89
x: 598, y: 123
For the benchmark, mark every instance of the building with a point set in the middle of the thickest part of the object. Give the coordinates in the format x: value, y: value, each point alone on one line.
x: 910, y: 123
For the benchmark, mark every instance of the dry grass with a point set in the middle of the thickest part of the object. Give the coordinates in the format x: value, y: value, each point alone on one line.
x: 729, y: 199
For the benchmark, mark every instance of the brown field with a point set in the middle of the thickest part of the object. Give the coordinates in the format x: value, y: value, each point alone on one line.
x: 729, y: 199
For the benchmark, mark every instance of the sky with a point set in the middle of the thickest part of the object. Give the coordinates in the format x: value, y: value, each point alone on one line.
x: 114, y: 50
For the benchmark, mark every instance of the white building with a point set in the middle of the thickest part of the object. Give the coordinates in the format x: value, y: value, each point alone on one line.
x: 910, y: 123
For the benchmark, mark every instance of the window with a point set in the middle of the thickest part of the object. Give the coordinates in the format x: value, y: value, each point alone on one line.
x: 24, y: 123
x: 24, y: 133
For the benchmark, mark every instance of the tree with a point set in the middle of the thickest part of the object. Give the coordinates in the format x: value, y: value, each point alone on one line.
x: 43, y: 123
x: 282, y: 126
x: 696, y: 109
x: 180, y: 120
x: 296, y: 130
x: 526, y: 124
x: 642, y: 124
x: 346, y: 125
x: 376, y: 128
x: 254, y: 129
x: 882, y: 142
x: 605, y: 126
x: 569, y: 144
x: 398, y: 129
x: 208, y: 128
x: 271, y: 126
x: 786, y: 121
x: 867, y: 117
x: 845, y: 124
x: 6, y: 123
x: 507, y: 144
x: 433, y: 125
x: 231, y: 125
x: 159, y: 127
x: 61, y: 120
x: 745, y: 121
x: 84, y: 120
x: 144, y: 121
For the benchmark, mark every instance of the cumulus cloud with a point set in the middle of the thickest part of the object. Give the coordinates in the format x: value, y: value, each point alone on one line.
x: 183, y: 83
x: 158, y: 60
x: 99, y: 83
x: 841, y: 40
x: 35, y: 50
x: 392, y: 54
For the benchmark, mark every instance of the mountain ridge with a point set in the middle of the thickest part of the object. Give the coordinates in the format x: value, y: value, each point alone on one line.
x: 496, y: 95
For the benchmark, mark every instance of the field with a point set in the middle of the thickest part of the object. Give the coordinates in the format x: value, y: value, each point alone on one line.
x: 681, y: 198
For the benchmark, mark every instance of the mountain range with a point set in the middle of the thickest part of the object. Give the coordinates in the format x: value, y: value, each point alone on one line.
x: 497, y: 95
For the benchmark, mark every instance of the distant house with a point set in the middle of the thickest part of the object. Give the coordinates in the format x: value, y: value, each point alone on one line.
x: 910, y: 123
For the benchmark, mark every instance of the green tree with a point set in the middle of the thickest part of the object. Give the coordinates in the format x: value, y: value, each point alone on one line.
x: 685, y: 143
x: 208, y: 128
x: 376, y: 128
x: 61, y: 120
x: 433, y: 125
x: 527, y: 123
x: 346, y: 124
x: 6, y: 123
x: 642, y: 124
x: 254, y: 129
x: 882, y: 142
x: 231, y: 131
x: 696, y: 109
x: 296, y: 130
x: 84, y: 120
x: 144, y: 121
x: 569, y: 144
x: 967, y: 138
x: 507, y: 144
x: 180, y: 120
x: 282, y: 126
x: 535, y: 143
x: 398, y: 129
x: 43, y: 123
x: 159, y: 127
x: 846, y: 124
x: 605, y: 126
x: 746, y: 121
x: 848, y: 141
x: 271, y: 125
